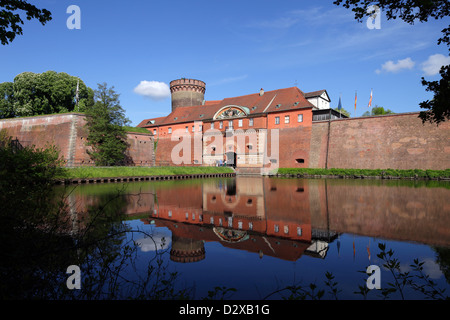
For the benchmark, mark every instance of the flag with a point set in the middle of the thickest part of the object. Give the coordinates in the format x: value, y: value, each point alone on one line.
x: 370, y: 101
x: 355, y: 100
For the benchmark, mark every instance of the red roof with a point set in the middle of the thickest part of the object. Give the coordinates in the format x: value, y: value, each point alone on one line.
x: 148, y: 122
x: 271, y: 101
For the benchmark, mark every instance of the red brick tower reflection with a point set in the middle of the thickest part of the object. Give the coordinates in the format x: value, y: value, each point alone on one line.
x: 186, y: 250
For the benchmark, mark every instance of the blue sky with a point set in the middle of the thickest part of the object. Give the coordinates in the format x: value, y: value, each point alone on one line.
x: 236, y: 47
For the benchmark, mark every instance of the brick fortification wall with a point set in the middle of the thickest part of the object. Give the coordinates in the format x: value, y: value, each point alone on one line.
x: 398, y: 141
x: 67, y: 132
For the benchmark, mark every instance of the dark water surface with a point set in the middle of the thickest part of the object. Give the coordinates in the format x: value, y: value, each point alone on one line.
x: 260, y: 235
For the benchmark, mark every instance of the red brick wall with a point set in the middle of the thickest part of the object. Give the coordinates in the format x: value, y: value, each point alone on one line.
x: 41, y: 131
x: 396, y: 141
x: 294, y: 143
x: 67, y: 132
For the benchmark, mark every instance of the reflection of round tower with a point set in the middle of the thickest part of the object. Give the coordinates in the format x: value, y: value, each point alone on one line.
x: 187, y: 92
x: 186, y: 250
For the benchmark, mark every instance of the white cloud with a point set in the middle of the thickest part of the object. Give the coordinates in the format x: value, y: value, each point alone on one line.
x: 434, y: 64
x: 391, y: 66
x: 154, y: 90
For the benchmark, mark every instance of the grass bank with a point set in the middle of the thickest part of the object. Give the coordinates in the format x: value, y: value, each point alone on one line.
x: 366, y: 173
x: 109, y: 172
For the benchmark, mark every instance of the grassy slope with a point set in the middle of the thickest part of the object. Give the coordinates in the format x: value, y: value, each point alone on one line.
x: 106, y: 172
x: 430, y: 174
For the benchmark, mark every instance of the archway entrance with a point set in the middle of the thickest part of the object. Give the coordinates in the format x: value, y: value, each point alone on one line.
x: 231, y: 159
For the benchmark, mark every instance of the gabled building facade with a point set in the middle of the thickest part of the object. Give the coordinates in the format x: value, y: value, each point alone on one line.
x: 237, y: 131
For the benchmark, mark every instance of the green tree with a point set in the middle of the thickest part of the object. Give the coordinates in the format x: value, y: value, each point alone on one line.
x: 377, y: 111
x: 6, y: 100
x: 410, y: 11
x: 10, y: 20
x: 343, y: 111
x: 43, y: 93
x: 438, y: 107
x: 105, y: 123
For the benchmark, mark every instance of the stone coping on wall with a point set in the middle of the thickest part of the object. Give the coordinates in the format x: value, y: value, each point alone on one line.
x: 371, y: 117
x: 81, y: 114
x: 46, y: 115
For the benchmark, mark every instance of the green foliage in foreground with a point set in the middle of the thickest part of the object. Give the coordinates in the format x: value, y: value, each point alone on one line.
x: 413, y: 173
x: 96, y: 172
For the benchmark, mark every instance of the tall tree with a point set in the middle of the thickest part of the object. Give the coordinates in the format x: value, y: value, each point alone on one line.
x: 10, y: 20
x: 105, y: 123
x: 6, y: 100
x: 410, y: 11
x: 43, y: 93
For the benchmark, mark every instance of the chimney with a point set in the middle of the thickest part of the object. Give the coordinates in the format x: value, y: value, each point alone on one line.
x: 261, y: 92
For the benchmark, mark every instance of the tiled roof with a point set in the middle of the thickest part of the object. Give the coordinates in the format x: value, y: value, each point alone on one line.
x: 271, y: 101
x: 315, y: 93
x: 152, y: 121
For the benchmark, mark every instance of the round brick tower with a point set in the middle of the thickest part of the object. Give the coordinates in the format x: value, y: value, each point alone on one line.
x: 187, y: 92
x: 186, y: 250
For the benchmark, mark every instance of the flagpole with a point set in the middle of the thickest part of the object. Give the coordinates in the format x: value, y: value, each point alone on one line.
x: 76, y: 94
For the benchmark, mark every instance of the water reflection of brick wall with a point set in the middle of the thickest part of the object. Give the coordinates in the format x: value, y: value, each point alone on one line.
x: 289, y: 209
x: 393, y: 210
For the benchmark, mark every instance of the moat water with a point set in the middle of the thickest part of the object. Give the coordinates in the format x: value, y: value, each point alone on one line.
x: 260, y: 235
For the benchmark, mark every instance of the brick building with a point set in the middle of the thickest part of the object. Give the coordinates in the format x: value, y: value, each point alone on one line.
x: 290, y: 128
x: 238, y: 131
